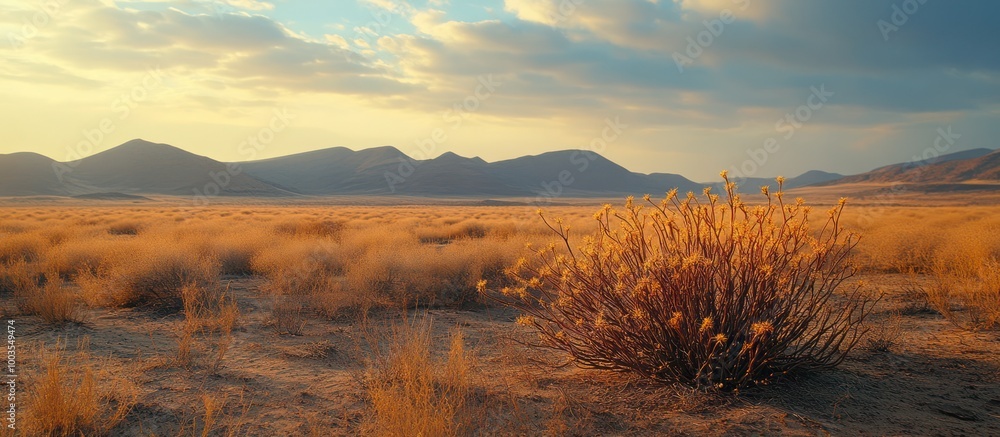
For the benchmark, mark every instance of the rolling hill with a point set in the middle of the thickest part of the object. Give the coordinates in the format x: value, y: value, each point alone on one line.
x: 141, y: 167
x: 967, y: 165
x: 30, y: 174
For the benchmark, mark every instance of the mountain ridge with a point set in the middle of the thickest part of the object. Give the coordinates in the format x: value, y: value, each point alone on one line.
x: 139, y: 167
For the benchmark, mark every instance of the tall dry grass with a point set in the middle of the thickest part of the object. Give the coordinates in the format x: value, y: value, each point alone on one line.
x: 74, y: 393
x: 414, y: 392
x: 52, y: 302
x: 210, y: 314
x: 958, y: 246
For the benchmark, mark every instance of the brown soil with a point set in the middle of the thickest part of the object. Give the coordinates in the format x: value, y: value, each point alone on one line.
x: 936, y: 379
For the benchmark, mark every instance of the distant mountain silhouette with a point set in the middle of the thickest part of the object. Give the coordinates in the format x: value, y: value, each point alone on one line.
x: 386, y: 170
x: 137, y: 166
x: 140, y: 167
x: 811, y: 177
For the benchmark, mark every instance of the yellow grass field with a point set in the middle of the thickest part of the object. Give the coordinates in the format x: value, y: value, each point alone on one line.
x: 164, y: 319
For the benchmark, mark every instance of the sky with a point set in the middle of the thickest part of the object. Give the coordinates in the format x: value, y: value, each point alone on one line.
x: 758, y: 87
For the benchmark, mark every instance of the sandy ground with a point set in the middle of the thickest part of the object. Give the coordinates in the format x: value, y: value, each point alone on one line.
x: 934, y: 380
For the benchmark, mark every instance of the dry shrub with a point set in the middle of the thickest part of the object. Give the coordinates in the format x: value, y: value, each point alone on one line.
x: 310, y: 227
x: 146, y: 274
x: 300, y: 266
x: 884, y: 334
x: 17, y: 275
x: 310, y: 272
x: 970, y: 299
x: 22, y: 247
x: 430, y: 276
x: 74, y: 394
x: 52, y: 302
x: 712, y: 294
x: 288, y: 315
x: 125, y: 228
x: 70, y: 257
x: 447, y: 233
x: 412, y: 392
x: 236, y: 253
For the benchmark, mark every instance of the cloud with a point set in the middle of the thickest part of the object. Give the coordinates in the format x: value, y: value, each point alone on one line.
x: 562, y: 63
x: 248, y: 52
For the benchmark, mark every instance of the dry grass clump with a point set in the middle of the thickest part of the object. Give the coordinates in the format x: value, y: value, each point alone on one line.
x: 970, y: 299
x: 52, y: 302
x: 208, y: 312
x: 74, y: 393
x: 236, y: 252
x: 884, y: 333
x: 309, y: 227
x: 126, y: 227
x: 412, y: 392
x: 26, y: 247
x: 148, y: 273
x: 70, y: 257
x: 446, y: 233
x: 298, y: 266
x: 713, y: 294
x: 424, y: 275
x: 288, y: 315
x: 17, y: 275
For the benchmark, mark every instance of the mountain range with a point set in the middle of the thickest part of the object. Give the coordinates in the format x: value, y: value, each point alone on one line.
x: 141, y: 167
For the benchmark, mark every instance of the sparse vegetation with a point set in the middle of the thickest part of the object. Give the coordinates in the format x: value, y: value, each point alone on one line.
x: 73, y: 395
x: 184, y: 308
x: 411, y: 391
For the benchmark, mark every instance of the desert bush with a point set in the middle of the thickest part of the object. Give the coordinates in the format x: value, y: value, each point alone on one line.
x: 310, y: 227
x: 71, y: 395
x: 710, y: 293
x: 70, y: 257
x: 288, y: 315
x: 52, y: 302
x: 299, y: 266
x: 411, y: 391
x: 146, y: 273
x: 128, y: 227
x: 236, y: 252
x: 22, y: 247
x: 447, y: 233
x: 885, y: 333
x: 419, y: 275
x: 17, y: 275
